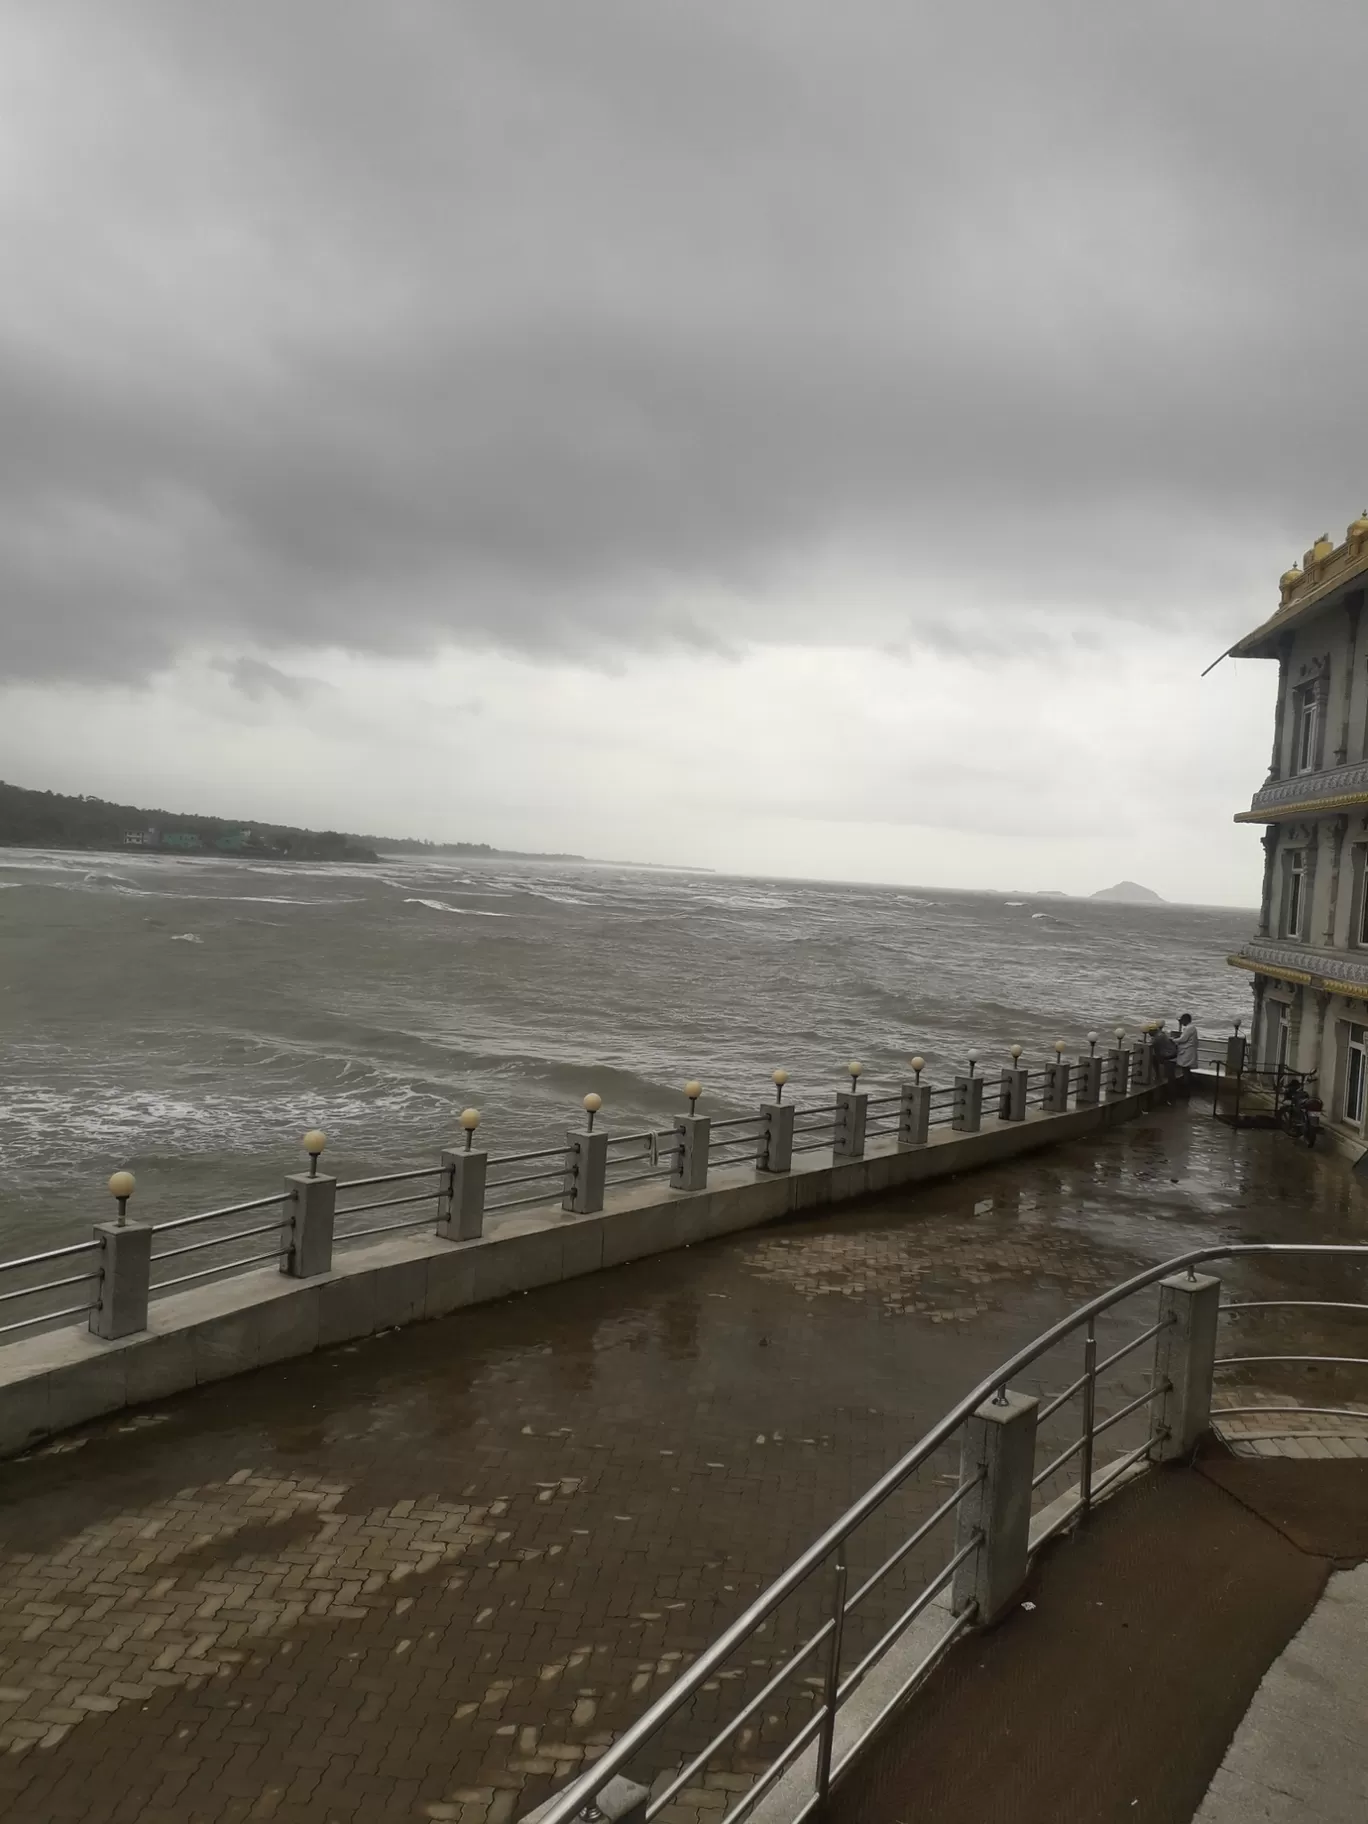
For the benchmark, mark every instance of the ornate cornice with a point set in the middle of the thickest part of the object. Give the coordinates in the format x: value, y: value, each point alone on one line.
x: 1309, y: 794
x: 1330, y: 971
x: 1325, y: 570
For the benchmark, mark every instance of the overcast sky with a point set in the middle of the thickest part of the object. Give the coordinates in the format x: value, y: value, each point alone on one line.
x: 801, y: 437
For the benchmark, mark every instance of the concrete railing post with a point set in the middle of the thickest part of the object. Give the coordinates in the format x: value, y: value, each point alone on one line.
x: 999, y: 1446
x: 618, y: 1801
x: 852, y: 1111
x: 1089, y: 1091
x: 586, y: 1171
x: 1184, y: 1351
x: 1140, y: 1064
x: 1235, y: 1055
x: 914, y: 1114
x: 309, y: 1218
x: 967, y: 1117
x: 692, y: 1141
x: 1057, y: 1088
x: 461, y: 1200
x: 125, y: 1278
x: 774, y: 1152
x: 1012, y: 1097
x: 1117, y: 1080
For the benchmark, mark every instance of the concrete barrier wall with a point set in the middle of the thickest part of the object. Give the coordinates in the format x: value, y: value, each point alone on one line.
x: 65, y: 1377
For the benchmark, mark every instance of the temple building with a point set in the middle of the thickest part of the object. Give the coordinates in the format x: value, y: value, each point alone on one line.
x: 1309, y: 958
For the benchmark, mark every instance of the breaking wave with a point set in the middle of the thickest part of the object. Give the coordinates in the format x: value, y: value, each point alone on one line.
x: 440, y: 905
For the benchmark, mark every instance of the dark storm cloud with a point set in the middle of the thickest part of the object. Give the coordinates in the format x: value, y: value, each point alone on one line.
x: 575, y: 327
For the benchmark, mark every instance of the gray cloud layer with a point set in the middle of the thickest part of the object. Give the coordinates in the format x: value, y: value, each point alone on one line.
x: 564, y: 325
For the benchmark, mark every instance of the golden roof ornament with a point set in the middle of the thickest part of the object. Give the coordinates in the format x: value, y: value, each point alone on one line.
x: 1322, y: 550
x: 1359, y: 528
x: 1290, y: 581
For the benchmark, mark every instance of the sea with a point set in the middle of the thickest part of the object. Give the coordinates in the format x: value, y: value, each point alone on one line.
x: 189, y: 1017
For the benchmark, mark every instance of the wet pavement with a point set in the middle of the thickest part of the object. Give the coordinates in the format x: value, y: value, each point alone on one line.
x: 427, y: 1575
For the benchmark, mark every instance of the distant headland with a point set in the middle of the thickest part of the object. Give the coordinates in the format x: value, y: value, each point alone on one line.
x: 49, y: 820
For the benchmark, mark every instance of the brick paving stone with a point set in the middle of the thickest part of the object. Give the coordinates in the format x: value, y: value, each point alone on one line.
x: 431, y: 1575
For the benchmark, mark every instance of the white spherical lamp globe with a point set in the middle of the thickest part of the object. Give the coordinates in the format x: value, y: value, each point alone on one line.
x: 121, y: 1184
x: 314, y: 1142
x: 919, y: 1063
x: 470, y: 1119
x: 1060, y: 1048
x: 779, y: 1076
x: 593, y: 1103
x: 1014, y: 1051
x: 693, y: 1089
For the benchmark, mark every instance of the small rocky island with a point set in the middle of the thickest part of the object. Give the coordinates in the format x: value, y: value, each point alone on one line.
x: 1130, y: 892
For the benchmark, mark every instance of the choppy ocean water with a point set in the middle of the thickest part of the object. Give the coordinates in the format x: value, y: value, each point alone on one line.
x: 190, y: 1017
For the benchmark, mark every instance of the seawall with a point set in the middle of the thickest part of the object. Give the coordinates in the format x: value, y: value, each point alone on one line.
x: 63, y: 1378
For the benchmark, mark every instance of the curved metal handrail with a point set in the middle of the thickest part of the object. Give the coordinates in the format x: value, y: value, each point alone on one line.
x: 582, y: 1791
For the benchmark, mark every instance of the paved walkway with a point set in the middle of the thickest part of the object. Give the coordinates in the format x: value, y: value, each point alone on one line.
x: 1301, y: 1752
x: 428, y: 1576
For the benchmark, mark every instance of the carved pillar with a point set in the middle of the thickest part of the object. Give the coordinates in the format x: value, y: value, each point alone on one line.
x: 1353, y: 605
x: 1258, y: 1036
x: 1338, y: 828
x: 1322, y: 1001
x: 1311, y: 850
x: 1270, y: 849
x: 1275, y: 763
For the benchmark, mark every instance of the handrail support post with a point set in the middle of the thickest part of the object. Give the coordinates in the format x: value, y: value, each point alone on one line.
x: 852, y: 1112
x: 125, y: 1279
x: 692, y: 1142
x: 461, y: 1196
x: 586, y: 1171
x: 1089, y: 1091
x: 914, y: 1114
x: 310, y: 1215
x: 998, y: 1450
x: 967, y: 1117
x: 1184, y: 1354
x: 774, y: 1149
x: 1085, y: 1474
x: 832, y: 1680
x: 1012, y: 1094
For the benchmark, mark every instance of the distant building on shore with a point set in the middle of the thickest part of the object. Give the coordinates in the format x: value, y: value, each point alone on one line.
x: 1309, y: 957
x: 142, y: 839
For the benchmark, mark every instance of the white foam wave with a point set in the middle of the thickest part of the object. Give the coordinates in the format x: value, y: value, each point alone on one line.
x: 556, y: 899
x: 186, y: 937
x: 100, y: 1120
x: 440, y: 905
x: 743, y: 902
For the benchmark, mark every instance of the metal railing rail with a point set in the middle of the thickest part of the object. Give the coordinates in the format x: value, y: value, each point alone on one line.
x: 680, y: 1154
x: 831, y: 1547
x: 94, y: 1277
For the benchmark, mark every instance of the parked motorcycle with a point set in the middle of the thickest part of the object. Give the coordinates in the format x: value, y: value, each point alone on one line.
x: 1300, y: 1111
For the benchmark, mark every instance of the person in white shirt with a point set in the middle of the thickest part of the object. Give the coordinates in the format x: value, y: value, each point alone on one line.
x: 1186, y: 1052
